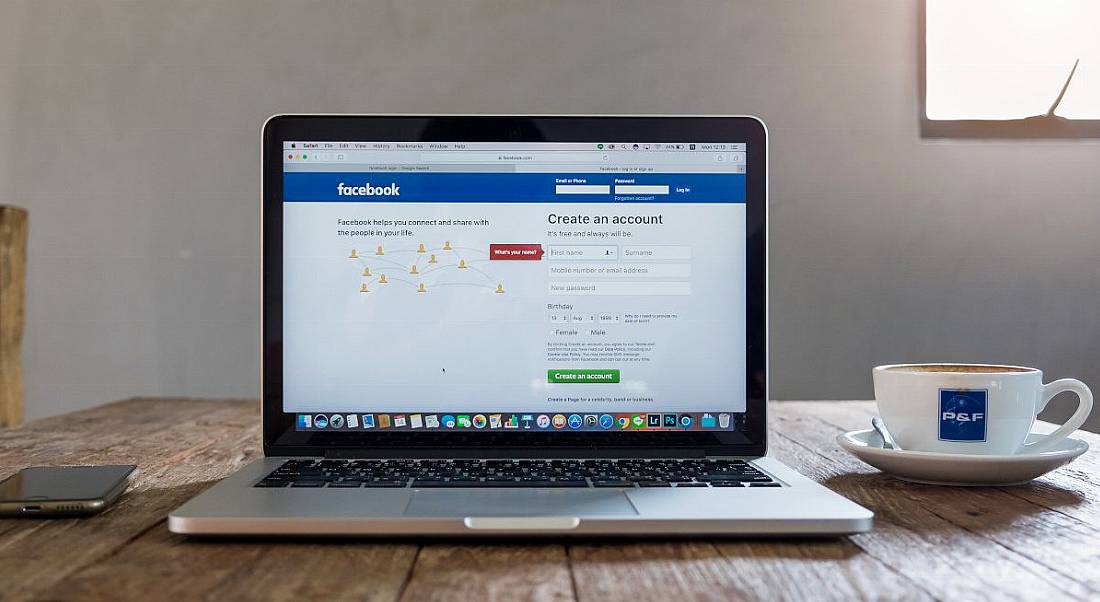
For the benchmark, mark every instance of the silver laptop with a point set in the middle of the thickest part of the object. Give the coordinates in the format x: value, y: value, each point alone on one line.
x: 515, y: 325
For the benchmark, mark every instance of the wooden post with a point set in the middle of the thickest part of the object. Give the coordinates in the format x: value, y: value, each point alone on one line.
x: 13, y: 287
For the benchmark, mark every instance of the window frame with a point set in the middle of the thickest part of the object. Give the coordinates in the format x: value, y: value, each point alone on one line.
x: 1028, y: 128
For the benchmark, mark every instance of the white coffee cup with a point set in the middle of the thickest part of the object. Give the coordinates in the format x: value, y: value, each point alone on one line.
x: 971, y: 408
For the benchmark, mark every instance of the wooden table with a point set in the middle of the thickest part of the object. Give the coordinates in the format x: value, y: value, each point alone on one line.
x: 1040, y: 541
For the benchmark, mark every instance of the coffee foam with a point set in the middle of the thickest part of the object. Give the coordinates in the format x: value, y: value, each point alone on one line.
x: 958, y: 369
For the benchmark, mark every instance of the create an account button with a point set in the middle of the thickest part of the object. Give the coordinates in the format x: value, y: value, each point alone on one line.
x: 583, y: 375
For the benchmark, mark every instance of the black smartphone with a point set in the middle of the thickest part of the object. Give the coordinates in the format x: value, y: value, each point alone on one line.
x: 45, y: 491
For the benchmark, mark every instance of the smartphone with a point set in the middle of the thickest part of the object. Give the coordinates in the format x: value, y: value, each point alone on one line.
x: 45, y: 491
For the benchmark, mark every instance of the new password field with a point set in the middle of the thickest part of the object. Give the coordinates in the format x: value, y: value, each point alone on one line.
x: 619, y: 288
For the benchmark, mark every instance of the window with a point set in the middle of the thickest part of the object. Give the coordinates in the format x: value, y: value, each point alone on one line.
x: 1011, y: 68
x: 507, y: 280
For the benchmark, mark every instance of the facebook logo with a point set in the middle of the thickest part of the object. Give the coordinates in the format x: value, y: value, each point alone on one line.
x: 963, y: 414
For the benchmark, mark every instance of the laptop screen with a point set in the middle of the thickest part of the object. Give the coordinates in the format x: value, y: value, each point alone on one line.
x: 482, y: 286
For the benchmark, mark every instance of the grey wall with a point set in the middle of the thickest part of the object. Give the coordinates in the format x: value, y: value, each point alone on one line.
x: 130, y: 130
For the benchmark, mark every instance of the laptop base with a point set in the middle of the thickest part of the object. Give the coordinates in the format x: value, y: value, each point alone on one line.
x: 800, y: 507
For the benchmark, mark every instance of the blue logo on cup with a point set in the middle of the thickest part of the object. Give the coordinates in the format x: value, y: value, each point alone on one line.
x: 963, y: 414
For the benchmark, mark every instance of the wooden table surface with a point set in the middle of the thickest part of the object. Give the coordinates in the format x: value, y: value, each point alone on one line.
x: 1038, y: 541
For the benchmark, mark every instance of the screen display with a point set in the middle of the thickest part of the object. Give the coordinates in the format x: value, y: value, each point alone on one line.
x: 486, y: 286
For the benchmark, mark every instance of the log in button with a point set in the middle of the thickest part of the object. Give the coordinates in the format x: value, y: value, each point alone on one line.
x: 583, y: 375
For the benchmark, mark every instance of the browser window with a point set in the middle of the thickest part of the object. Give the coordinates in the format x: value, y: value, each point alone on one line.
x: 538, y: 286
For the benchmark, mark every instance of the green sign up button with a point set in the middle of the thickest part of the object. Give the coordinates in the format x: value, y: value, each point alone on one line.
x: 581, y: 375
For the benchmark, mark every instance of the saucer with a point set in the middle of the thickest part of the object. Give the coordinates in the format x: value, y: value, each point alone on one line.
x: 959, y: 469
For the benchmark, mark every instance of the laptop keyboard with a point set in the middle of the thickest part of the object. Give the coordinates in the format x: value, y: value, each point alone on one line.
x: 352, y: 474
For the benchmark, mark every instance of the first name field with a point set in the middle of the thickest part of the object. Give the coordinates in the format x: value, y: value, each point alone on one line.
x: 615, y: 252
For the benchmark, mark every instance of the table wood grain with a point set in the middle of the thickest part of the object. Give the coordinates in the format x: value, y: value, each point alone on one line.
x: 1037, y: 541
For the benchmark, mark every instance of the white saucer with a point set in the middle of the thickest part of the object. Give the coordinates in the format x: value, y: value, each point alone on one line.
x: 959, y: 469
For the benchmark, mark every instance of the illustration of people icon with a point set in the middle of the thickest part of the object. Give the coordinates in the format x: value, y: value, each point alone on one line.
x: 432, y: 259
x: 500, y: 288
x: 363, y: 288
x: 446, y: 245
x: 421, y: 249
x: 413, y: 270
x: 461, y: 264
x: 421, y: 289
x: 379, y: 250
x: 382, y: 279
x: 366, y: 272
x: 353, y: 255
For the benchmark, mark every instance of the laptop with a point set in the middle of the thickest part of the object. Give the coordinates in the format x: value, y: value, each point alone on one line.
x: 515, y: 325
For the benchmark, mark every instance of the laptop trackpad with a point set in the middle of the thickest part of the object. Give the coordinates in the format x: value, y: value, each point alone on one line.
x: 520, y: 502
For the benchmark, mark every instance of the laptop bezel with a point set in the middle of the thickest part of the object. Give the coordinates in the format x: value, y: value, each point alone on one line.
x: 279, y: 435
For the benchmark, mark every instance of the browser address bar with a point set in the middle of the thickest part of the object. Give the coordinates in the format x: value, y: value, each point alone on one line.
x: 511, y: 157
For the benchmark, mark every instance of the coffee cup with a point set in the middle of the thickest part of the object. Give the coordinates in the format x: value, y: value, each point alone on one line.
x: 971, y: 408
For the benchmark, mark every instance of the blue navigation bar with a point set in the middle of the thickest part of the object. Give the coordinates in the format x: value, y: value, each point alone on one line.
x: 442, y: 187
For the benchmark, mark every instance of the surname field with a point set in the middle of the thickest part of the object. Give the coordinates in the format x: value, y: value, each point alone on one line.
x: 656, y: 252
x: 616, y: 271
x: 620, y: 288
